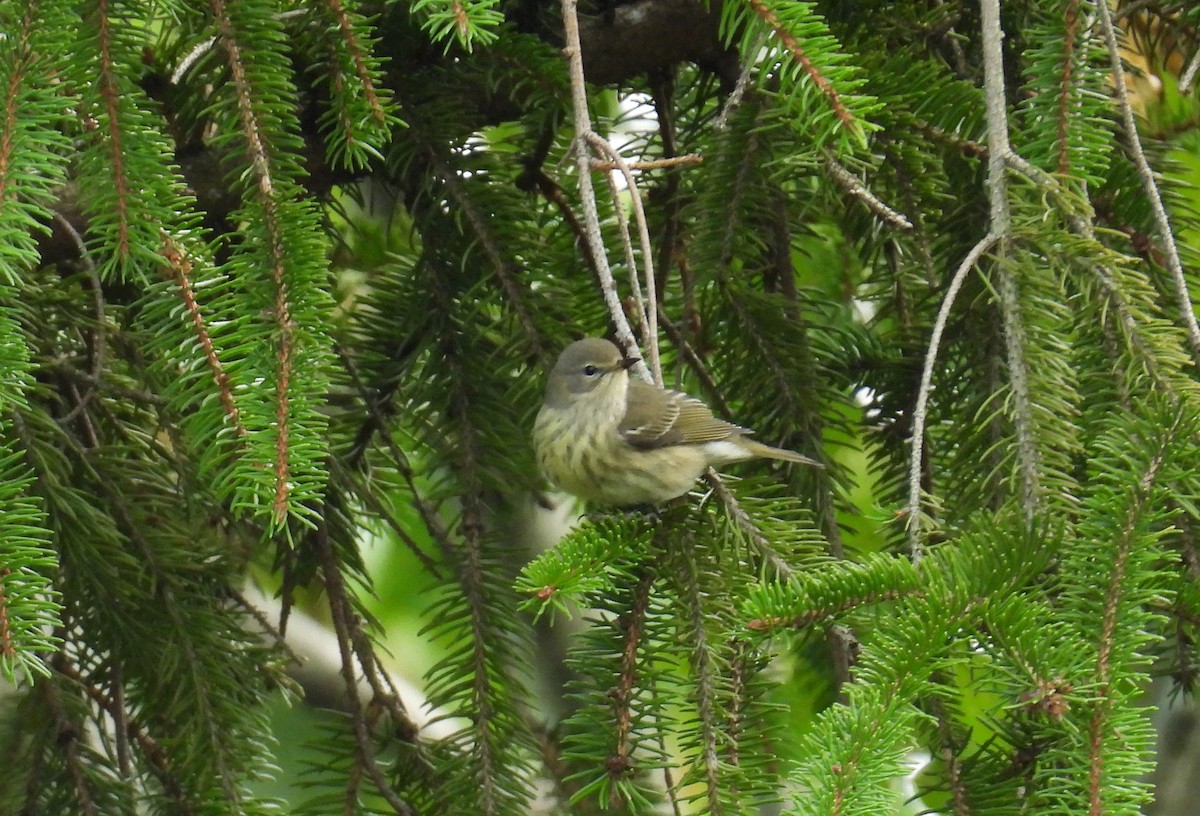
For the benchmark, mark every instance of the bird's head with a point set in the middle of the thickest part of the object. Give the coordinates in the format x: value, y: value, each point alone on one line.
x: 591, y: 368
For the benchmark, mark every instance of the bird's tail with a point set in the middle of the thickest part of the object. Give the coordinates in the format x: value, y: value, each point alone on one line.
x: 768, y: 452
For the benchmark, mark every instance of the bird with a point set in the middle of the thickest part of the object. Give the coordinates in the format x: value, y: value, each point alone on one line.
x: 616, y: 441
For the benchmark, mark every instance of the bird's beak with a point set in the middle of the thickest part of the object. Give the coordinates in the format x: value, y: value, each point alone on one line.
x: 629, y: 362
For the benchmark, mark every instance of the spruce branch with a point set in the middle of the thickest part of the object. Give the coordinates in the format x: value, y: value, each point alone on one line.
x: 110, y: 93
x: 151, y: 750
x: 713, y: 392
x: 358, y: 105
x: 343, y: 623
x: 376, y: 506
x: 789, y: 41
x: 377, y: 423
x: 98, y: 344
x: 363, y: 71
x: 746, y: 524
x: 1127, y: 539
x: 1066, y: 81
x: 817, y: 613
x: 196, y: 670
x: 260, y: 162
x: 181, y: 268
x: 950, y: 759
x: 705, y: 675
x: 493, y: 733
x: 68, y: 739
x: 1166, y: 235
x: 620, y: 763
x: 491, y: 248
x: 745, y: 75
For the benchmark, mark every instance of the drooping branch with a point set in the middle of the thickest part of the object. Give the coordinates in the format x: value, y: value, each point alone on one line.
x: 1166, y: 235
x: 587, y: 192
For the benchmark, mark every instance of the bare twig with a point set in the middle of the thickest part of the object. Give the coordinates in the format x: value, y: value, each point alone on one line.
x: 743, y: 83
x: 1001, y: 227
x: 96, y: 353
x: 856, y: 189
x: 1165, y: 235
x: 639, y: 217
x: 1188, y: 77
x: 587, y: 194
x: 650, y: 164
x: 635, y: 284
x: 919, y: 412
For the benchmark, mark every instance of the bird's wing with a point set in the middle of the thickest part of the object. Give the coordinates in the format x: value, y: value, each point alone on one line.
x: 657, y: 418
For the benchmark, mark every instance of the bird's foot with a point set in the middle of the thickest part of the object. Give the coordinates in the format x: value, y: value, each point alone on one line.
x: 636, y: 512
x: 654, y: 514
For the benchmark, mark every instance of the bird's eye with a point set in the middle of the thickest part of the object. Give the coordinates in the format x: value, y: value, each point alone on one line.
x: 590, y: 370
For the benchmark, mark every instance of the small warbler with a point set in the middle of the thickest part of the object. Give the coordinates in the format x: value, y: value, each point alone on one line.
x: 613, y: 440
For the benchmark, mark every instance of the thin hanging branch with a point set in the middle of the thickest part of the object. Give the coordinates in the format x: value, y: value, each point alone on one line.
x: 1166, y: 235
x: 915, y: 546
x: 1067, y: 75
x: 258, y: 156
x: 342, y: 616
x: 639, y: 216
x: 1001, y: 226
x: 180, y: 267
x: 587, y: 193
x: 635, y: 284
x: 1188, y: 78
